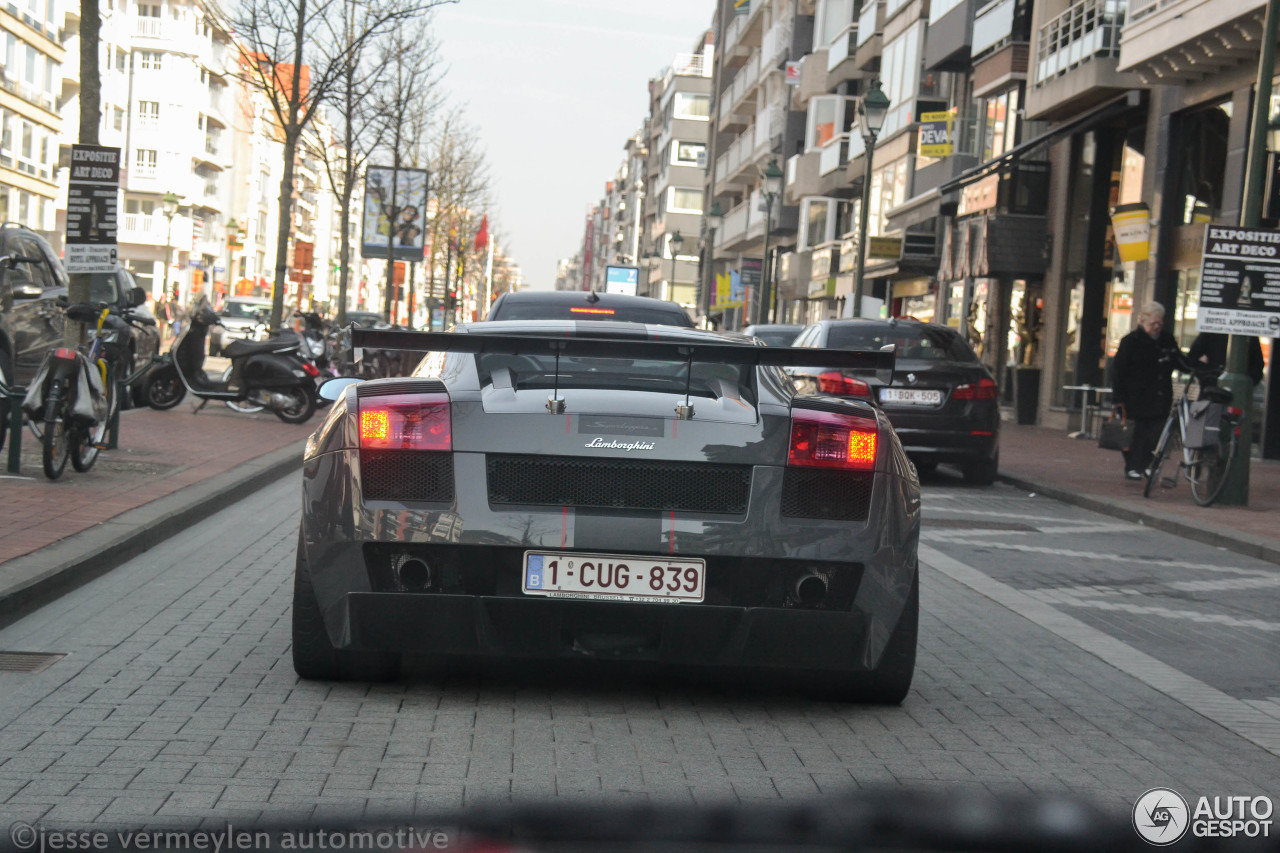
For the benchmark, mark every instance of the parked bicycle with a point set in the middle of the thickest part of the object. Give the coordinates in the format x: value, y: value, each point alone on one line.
x: 1202, y: 435
x: 74, y: 397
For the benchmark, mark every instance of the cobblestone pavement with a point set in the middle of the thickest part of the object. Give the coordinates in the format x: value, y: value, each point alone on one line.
x: 176, y: 700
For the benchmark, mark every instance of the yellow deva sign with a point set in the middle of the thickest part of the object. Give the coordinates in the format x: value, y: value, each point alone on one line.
x: 935, y: 134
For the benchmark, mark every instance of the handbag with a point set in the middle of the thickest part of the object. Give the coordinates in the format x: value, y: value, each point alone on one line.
x: 1117, y: 434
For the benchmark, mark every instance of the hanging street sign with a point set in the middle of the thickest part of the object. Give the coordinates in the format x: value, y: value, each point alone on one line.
x: 91, y: 209
x: 1240, y: 281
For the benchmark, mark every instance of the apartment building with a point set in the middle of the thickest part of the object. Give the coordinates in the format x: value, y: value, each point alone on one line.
x: 754, y: 126
x: 675, y: 174
x: 31, y: 84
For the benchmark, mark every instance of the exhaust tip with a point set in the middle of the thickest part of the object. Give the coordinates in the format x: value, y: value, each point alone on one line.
x: 810, y: 590
x: 413, y: 575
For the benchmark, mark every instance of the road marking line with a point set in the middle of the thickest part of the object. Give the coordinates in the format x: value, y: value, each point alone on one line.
x: 1232, y: 714
x: 1075, y: 528
x: 1226, y: 584
x: 1019, y: 516
x: 1092, y: 598
x: 1149, y: 561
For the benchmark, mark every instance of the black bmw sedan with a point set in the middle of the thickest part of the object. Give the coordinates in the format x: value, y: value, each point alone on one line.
x: 941, y: 400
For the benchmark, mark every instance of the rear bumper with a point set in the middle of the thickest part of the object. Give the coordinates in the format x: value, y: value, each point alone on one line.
x: 506, y: 628
x: 948, y: 446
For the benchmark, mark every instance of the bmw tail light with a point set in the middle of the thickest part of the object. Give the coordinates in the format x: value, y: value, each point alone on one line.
x: 835, y: 382
x: 985, y: 389
x: 830, y: 440
x: 406, y: 422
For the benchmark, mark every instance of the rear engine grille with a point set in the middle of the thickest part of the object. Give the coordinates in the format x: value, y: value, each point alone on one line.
x: 406, y: 475
x: 835, y: 495
x: 621, y: 483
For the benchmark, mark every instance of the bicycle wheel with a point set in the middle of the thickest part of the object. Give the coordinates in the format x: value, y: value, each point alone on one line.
x: 1170, y: 444
x: 56, y: 440
x: 1209, y: 466
x: 87, y: 441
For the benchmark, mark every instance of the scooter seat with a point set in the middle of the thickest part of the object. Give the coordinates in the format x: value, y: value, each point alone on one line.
x: 235, y: 349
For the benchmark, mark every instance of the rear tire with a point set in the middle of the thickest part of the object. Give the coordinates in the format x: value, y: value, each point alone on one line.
x: 300, y: 409
x: 56, y: 440
x: 314, y: 656
x: 981, y: 472
x: 85, y: 441
x: 1209, y: 466
x: 164, y: 388
x: 890, y: 682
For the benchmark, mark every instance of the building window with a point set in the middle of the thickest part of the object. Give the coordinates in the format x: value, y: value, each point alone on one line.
x: 687, y: 153
x: 149, y: 110
x: 900, y: 68
x: 149, y: 60
x: 690, y: 105
x: 146, y: 160
x: 117, y: 118
x: 122, y: 60
x: 684, y: 200
x: 147, y: 10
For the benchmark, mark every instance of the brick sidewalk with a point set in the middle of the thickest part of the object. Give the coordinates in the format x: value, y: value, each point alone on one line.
x: 160, y: 453
x: 1038, y: 457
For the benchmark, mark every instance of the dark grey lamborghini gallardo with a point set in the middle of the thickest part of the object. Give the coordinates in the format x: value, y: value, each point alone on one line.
x: 553, y: 490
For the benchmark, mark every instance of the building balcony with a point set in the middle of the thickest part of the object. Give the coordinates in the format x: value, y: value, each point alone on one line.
x: 688, y: 65
x: 992, y: 26
x: 743, y: 34
x: 1000, y: 66
x: 733, y: 100
x: 948, y: 43
x: 143, y: 228
x: 1076, y: 60
x: 870, y: 38
x: 148, y: 27
x: 842, y: 58
x: 30, y: 94
x: 776, y: 44
x: 1179, y: 41
x: 802, y: 177
x: 813, y: 79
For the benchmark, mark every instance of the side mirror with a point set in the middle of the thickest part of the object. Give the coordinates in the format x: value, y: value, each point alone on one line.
x: 21, y: 283
x: 136, y: 297
x: 332, y: 389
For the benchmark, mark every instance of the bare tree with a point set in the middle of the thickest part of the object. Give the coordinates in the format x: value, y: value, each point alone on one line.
x: 353, y: 114
x: 405, y: 102
x: 460, y: 177
x: 295, y: 53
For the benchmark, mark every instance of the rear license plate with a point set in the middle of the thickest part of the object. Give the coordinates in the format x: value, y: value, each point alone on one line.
x: 614, y: 577
x: 910, y: 396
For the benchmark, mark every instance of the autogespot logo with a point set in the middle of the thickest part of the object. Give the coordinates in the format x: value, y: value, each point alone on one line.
x: 1160, y: 816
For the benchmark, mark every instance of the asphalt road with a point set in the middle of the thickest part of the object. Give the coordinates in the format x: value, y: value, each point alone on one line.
x: 1059, y: 651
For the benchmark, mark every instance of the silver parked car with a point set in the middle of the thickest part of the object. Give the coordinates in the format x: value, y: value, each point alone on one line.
x: 554, y: 490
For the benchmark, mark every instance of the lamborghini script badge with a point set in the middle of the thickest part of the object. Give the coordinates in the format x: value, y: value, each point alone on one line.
x: 620, y: 445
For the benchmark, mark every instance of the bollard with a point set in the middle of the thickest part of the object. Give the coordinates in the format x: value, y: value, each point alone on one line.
x: 113, y: 427
x: 16, y: 396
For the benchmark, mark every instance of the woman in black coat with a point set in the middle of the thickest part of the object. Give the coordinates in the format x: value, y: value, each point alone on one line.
x: 1142, y: 383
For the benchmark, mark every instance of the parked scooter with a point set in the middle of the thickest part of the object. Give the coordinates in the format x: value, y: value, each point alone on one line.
x: 272, y: 373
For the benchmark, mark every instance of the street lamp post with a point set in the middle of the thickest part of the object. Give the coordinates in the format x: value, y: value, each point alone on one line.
x: 715, y: 217
x: 676, y: 242
x: 233, y: 235
x: 871, y: 113
x: 1235, y: 491
x: 771, y: 187
x: 169, y: 206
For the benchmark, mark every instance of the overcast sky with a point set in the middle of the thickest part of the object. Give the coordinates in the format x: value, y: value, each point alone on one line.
x: 555, y: 88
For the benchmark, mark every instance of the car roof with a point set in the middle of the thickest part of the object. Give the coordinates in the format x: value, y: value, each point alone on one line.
x: 603, y: 328
x: 565, y: 297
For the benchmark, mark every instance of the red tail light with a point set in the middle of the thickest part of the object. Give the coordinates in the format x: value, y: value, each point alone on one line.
x: 64, y: 353
x: 406, y: 422
x: 829, y: 440
x: 1235, y: 412
x: 310, y: 369
x: 985, y: 389
x: 835, y: 382
x: 591, y: 311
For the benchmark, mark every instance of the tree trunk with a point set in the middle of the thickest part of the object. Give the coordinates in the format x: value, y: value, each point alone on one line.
x: 292, y: 131
x: 90, y: 119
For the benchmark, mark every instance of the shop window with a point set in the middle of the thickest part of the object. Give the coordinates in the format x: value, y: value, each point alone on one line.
x: 1202, y: 163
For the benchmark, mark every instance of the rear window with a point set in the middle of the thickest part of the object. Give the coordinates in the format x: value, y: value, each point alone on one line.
x: 102, y: 288
x: 928, y: 343
x: 711, y: 380
x: 534, y: 310
x: 776, y: 338
x: 246, y: 310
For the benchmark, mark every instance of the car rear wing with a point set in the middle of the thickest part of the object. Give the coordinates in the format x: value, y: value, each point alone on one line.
x: 670, y: 349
